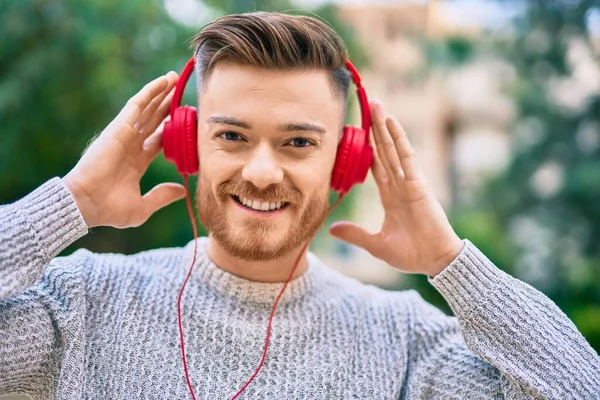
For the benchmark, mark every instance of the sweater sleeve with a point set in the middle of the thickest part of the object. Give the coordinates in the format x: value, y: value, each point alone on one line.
x: 33, y: 231
x: 508, y: 340
x: 42, y: 297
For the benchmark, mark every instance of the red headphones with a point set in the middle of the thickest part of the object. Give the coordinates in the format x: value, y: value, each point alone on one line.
x: 354, y: 154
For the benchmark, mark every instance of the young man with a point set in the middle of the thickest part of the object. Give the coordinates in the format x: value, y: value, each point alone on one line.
x: 272, y: 92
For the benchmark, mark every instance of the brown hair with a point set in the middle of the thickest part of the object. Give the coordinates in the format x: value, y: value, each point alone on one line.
x: 272, y: 41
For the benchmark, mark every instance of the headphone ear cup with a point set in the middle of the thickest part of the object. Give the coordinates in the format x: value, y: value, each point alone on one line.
x: 180, y: 140
x: 341, y: 160
x: 353, y: 160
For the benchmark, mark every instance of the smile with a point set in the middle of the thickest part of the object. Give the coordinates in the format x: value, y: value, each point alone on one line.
x: 258, y: 205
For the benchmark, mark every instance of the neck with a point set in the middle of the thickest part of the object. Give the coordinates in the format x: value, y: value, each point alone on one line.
x: 272, y: 271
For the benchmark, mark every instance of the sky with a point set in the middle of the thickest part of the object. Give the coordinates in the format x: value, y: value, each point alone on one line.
x: 462, y: 12
x: 489, y: 13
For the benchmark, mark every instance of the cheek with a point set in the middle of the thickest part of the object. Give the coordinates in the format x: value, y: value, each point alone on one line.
x: 218, y: 166
x: 211, y: 175
x: 326, y: 163
x: 314, y: 181
x: 314, y: 173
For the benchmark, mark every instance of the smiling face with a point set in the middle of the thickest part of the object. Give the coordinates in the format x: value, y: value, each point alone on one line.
x: 267, y: 145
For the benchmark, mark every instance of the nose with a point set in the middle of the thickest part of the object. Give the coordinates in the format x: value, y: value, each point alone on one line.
x: 262, y: 169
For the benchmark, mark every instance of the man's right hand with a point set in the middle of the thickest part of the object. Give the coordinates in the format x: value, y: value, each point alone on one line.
x: 106, y: 181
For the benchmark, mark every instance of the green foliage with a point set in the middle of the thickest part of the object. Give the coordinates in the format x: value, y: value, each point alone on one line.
x: 453, y: 51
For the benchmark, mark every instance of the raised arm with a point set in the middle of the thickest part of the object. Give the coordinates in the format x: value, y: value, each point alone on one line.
x: 43, y: 297
x: 512, y: 341
x: 508, y: 340
x: 34, y: 230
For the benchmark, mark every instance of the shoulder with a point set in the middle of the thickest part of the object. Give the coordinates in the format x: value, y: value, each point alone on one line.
x: 83, y: 259
x: 103, y: 273
x: 390, y: 316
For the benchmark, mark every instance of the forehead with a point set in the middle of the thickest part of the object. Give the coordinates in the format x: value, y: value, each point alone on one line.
x: 251, y: 92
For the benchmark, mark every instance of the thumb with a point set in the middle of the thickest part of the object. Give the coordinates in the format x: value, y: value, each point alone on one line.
x: 353, y: 234
x: 161, y: 196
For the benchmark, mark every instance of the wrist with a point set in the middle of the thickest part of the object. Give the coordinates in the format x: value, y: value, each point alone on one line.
x: 81, y: 199
x: 453, y: 250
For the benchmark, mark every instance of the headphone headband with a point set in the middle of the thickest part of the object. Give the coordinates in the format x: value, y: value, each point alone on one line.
x: 180, y: 86
x: 363, y: 101
x: 365, y: 111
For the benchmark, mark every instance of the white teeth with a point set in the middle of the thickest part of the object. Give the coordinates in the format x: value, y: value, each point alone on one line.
x: 260, y: 205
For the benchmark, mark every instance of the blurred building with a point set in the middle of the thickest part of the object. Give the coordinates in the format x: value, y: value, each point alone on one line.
x: 456, y: 119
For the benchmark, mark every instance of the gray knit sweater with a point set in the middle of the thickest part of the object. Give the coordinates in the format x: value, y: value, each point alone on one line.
x: 104, y: 326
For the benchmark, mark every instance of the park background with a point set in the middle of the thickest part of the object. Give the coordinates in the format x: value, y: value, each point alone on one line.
x: 501, y: 100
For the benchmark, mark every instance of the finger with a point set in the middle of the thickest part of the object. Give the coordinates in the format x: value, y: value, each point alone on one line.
x: 377, y: 168
x: 353, y: 234
x: 138, y: 103
x: 150, y: 111
x: 160, y: 114
x: 161, y: 196
x: 153, y: 143
x: 384, y: 143
x: 408, y: 159
x: 377, y: 113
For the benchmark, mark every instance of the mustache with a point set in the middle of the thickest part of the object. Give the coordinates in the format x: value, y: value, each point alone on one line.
x: 271, y: 194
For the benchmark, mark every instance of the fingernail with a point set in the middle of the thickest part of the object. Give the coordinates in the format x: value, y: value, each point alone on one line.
x: 377, y: 109
x: 136, y: 126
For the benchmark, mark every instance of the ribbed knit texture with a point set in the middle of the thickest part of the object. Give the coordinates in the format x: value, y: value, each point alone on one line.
x: 104, y: 326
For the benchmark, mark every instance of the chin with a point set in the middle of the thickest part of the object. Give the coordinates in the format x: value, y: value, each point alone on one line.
x: 265, y: 248
x: 256, y: 240
x: 253, y: 235
x: 260, y: 233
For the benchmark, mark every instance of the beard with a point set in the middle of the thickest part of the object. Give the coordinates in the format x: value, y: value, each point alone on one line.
x: 253, y: 239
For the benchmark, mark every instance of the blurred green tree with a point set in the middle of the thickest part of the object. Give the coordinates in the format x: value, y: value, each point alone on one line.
x: 67, y: 68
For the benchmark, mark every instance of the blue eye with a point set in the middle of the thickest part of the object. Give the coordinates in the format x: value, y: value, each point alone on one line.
x: 301, y: 142
x: 230, y: 136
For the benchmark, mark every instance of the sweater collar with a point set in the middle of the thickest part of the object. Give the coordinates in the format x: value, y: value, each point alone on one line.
x: 246, y: 290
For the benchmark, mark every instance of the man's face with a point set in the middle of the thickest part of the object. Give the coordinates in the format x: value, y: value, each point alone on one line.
x: 267, y: 140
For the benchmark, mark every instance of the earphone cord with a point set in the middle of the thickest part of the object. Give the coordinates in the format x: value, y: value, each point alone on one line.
x: 191, y: 213
x: 264, y: 355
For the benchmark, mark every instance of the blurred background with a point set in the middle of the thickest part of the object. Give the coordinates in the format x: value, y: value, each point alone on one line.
x: 501, y: 100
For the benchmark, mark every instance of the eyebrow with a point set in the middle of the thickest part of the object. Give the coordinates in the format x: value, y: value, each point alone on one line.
x: 287, y: 127
x: 217, y: 119
x: 301, y: 126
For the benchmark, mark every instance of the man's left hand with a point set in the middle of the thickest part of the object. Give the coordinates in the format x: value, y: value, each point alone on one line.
x: 416, y: 236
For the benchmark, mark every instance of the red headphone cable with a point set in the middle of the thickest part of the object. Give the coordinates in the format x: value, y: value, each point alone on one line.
x: 191, y: 213
x: 264, y: 355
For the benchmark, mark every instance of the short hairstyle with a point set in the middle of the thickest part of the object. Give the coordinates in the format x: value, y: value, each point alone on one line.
x: 272, y: 41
